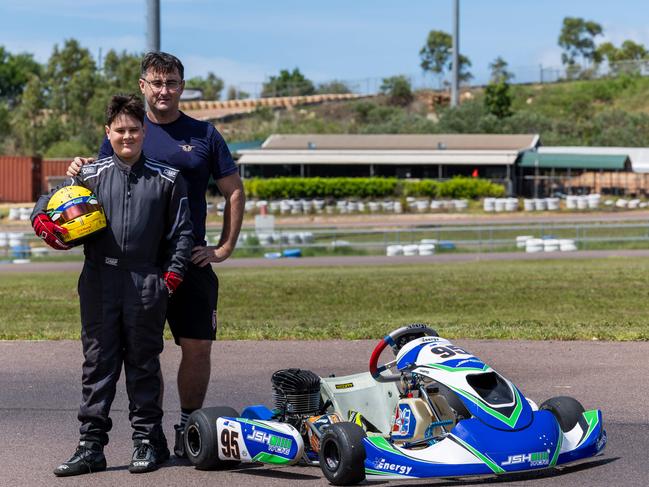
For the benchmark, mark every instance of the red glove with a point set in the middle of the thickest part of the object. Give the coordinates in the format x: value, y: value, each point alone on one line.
x: 172, y: 281
x: 49, y: 231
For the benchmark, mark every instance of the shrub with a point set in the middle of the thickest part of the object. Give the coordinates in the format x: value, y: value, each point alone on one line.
x: 459, y: 187
x: 470, y: 188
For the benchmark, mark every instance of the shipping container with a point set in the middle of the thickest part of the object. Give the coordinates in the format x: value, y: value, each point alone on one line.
x: 53, y: 172
x: 20, y: 179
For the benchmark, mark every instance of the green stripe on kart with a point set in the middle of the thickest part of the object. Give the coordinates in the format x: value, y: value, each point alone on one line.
x: 446, y: 368
x: 383, y: 444
x: 495, y: 468
x: 371, y: 471
x: 510, y: 421
x: 270, y: 458
x: 256, y: 423
x: 555, y: 457
x: 592, y: 418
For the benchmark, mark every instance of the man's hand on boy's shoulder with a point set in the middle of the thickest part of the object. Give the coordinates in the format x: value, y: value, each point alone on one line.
x: 203, y: 255
x: 49, y: 231
x: 77, y: 163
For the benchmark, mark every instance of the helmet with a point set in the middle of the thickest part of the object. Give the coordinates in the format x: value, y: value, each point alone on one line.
x: 76, y: 209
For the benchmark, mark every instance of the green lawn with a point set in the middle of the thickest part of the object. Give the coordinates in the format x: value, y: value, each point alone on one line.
x: 605, y: 299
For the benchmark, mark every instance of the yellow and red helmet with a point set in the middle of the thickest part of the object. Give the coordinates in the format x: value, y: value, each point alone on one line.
x: 76, y: 209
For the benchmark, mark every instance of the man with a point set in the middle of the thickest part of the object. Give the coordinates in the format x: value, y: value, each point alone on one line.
x: 198, y: 151
x: 145, y: 247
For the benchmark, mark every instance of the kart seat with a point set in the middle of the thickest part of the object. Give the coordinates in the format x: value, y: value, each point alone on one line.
x: 376, y: 401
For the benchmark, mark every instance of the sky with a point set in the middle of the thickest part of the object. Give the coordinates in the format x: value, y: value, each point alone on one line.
x: 357, y: 41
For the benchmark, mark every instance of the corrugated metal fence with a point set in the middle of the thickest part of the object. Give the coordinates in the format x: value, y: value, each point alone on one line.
x: 20, y: 178
x: 24, y: 179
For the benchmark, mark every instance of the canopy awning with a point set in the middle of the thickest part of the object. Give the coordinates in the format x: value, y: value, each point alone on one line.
x: 381, y: 157
x: 608, y: 162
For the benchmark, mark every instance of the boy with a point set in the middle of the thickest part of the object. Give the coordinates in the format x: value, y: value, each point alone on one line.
x: 130, y: 270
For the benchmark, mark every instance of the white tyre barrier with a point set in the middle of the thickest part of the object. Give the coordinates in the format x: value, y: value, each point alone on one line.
x: 489, y: 204
x: 540, y: 204
x: 550, y: 245
x: 553, y: 204
x: 621, y: 203
x: 411, y: 250
x: 533, y: 245
x: 567, y: 245
x: 426, y: 249
x: 521, y: 241
x: 511, y: 204
x: 393, y: 250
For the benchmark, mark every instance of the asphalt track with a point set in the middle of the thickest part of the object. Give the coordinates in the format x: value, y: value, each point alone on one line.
x: 40, y: 391
x: 369, y: 260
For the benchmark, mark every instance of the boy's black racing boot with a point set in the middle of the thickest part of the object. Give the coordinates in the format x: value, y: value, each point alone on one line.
x: 89, y: 457
x: 147, y: 456
x: 179, y: 446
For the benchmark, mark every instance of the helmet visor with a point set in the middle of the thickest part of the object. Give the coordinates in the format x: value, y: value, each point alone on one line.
x: 77, y: 211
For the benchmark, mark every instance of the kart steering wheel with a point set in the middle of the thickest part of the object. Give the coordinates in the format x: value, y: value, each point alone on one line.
x: 396, y: 340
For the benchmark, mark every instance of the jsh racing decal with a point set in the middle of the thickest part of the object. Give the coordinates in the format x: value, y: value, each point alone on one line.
x: 537, y: 459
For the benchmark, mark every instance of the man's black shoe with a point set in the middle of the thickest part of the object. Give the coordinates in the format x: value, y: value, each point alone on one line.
x: 89, y: 457
x: 147, y: 456
x: 179, y: 447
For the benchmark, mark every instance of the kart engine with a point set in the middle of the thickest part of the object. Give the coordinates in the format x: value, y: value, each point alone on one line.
x: 296, y: 393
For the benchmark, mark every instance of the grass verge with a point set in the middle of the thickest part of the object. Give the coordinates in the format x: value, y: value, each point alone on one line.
x: 601, y: 299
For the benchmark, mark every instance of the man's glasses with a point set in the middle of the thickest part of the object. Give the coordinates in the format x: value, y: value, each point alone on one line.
x: 157, y: 85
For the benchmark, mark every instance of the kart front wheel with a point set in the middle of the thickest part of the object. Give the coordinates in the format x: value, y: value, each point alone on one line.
x: 566, y: 409
x: 342, y: 454
x: 201, y: 438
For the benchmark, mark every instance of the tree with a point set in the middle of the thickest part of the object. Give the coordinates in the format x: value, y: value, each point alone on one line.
x: 212, y: 86
x: 15, y: 72
x: 398, y: 90
x: 623, y: 59
x: 499, y: 71
x: 288, y: 84
x: 464, y: 75
x: 236, y: 94
x: 121, y: 71
x: 339, y: 87
x: 436, y: 56
x: 27, y: 121
x: 498, y: 100
x: 577, y: 38
x: 436, y: 53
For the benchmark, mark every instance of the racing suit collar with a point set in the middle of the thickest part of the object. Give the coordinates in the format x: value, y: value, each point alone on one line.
x: 125, y: 168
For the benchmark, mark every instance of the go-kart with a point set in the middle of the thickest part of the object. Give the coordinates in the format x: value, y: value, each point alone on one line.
x: 434, y: 411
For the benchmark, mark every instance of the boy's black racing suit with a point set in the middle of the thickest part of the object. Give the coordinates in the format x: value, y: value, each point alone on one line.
x: 122, y: 292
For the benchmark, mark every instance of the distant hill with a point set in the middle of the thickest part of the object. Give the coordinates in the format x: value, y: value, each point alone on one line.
x: 606, y: 112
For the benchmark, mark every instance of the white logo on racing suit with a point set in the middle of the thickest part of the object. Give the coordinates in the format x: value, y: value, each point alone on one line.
x: 392, y: 467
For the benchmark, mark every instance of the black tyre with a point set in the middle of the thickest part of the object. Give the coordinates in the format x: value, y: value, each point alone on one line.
x: 201, y: 440
x: 566, y: 409
x: 342, y: 454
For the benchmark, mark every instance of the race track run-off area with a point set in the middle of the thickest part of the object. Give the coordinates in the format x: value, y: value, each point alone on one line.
x: 40, y: 392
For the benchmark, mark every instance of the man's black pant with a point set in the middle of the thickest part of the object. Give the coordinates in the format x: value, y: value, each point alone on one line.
x: 122, y: 321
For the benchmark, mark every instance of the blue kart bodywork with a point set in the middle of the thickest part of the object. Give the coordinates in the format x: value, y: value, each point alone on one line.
x: 436, y: 410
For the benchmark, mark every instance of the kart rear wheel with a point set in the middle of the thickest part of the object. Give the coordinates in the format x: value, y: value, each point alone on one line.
x: 342, y: 454
x: 566, y: 409
x: 201, y: 438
